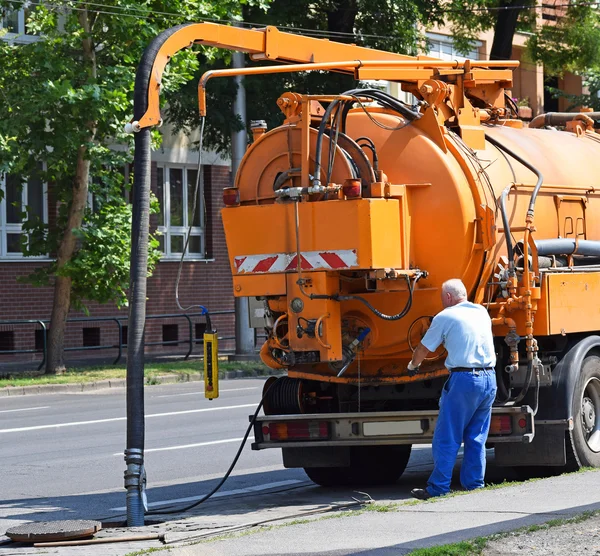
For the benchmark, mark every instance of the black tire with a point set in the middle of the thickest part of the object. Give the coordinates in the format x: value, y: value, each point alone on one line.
x: 369, y: 466
x: 328, y: 476
x: 583, y: 442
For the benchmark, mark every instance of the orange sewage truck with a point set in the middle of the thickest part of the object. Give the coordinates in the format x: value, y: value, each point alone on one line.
x: 344, y: 221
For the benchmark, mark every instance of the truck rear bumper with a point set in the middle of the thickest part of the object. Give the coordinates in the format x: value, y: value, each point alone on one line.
x: 509, y: 424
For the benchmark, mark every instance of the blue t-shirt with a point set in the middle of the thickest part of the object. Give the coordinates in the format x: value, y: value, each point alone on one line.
x: 465, y: 330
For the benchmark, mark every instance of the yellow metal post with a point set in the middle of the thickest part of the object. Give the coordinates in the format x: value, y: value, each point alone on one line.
x: 211, y: 365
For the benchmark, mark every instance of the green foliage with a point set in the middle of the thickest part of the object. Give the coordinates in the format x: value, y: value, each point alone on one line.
x: 465, y: 548
x: 573, y: 44
x: 56, y: 103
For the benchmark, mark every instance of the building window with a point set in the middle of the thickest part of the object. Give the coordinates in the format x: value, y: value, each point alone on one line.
x: 200, y: 330
x: 20, y: 200
x: 7, y: 340
x: 15, y: 23
x: 175, y: 192
x: 91, y: 337
x: 170, y: 334
x: 442, y: 47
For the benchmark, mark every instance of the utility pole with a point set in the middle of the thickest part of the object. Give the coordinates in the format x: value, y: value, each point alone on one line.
x: 244, y: 335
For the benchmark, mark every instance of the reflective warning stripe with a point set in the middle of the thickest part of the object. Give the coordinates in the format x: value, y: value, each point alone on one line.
x: 288, y: 262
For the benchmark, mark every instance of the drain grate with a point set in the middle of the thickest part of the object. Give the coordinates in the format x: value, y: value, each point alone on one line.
x: 47, y: 531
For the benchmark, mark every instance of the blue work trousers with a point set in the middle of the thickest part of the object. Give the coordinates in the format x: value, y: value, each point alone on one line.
x: 465, y: 414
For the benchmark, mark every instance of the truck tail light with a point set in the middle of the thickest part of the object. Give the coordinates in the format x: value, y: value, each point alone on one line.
x: 231, y: 196
x: 294, y: 430
x: 501, y: 424
x: 351, y: 188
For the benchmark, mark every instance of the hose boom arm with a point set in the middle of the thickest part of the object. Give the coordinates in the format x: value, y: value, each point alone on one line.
x: 261, y: 44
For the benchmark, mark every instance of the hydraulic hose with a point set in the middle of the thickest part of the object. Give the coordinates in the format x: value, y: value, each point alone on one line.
x: 318, y: 147
x: 388, y: 101
x: 371, y: 146
x: 540, y: 177
x: 378, y: 313
x: 507, y: 234
x: 134, y: 452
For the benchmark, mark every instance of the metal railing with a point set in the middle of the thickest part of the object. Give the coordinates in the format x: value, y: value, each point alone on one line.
x: 191, y: 340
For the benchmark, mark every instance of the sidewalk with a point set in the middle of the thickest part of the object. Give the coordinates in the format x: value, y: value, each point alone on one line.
x: 405, y: 527
x: 122, y: 383
x: 424, y: 524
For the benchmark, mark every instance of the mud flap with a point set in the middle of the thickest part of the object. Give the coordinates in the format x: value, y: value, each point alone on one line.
x: 547, y: 448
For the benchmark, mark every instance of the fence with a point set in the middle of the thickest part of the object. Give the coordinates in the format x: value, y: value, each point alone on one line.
x: 194, y: 334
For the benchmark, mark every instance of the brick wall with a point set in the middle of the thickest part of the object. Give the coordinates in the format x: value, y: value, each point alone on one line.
x: 202, y: 282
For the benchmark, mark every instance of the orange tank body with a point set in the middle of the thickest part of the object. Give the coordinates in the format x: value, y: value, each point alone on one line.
x: 441, y: 217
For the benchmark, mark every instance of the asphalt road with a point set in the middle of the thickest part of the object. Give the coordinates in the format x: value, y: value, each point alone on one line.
x: 62, y: 454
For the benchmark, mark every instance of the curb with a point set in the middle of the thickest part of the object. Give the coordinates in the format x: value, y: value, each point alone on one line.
x: 122, y: 383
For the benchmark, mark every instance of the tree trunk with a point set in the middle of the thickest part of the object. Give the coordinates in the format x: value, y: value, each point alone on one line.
x: 62, y: 286
x: 504, y: 31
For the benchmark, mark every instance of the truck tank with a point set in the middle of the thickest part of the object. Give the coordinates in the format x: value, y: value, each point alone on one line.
x: 441, y: 215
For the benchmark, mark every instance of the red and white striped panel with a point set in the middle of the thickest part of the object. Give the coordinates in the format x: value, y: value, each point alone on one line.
x: 287, y: 262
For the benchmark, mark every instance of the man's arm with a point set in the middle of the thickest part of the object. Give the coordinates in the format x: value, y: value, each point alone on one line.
x: 419, y: 355
x: 421, y: 352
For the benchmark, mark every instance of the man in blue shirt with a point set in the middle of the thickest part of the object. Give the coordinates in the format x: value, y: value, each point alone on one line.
x: 465, y: 329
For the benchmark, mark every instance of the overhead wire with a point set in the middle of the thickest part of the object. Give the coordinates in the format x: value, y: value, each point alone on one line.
x: 141, y: 14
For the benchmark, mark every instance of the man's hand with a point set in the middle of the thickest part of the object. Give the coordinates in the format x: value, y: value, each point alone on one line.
x: 419, y: 355
x: 412, y: 369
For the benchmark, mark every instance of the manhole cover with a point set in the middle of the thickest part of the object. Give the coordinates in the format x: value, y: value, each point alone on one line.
x: 43, y: 531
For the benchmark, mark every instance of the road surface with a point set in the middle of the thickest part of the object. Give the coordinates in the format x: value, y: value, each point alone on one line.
x: 62, y: 454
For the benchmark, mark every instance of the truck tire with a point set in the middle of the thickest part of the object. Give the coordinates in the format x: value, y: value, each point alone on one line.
x: 369, y: 466
x: 583, y: 442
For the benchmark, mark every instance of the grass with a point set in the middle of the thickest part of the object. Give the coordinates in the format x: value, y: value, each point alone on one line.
x: 151, y: 371
x: 475, y: 547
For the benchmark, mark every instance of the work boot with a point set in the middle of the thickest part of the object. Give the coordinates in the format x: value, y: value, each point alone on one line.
x: 420, y: 493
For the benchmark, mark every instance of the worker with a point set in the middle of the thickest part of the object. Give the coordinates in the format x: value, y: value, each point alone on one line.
x: 465, y: 329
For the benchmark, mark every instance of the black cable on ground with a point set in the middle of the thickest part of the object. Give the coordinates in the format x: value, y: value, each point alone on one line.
x: 229, y: 471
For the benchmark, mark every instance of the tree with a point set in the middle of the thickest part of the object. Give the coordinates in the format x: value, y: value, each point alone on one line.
x: 562, y: 36
x: 64, y: 101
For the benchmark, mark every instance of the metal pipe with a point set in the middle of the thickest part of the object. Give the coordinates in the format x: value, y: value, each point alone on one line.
x: 132, y: 538
x: 561, y: 118
x: 340, y: 65
x: 244, y: 335
x: 568, y: 246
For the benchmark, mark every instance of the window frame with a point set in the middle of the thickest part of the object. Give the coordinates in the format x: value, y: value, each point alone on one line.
x: 168, y: 231
x: 17, y: 228
x: 21, y: 36
x: 446, y: 41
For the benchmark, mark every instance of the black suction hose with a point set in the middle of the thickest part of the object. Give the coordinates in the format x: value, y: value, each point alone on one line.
x: 134, y: 452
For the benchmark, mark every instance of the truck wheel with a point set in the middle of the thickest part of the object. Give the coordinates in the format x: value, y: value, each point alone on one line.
x: 328, y: 476
x: 583, y: 442
x: 369, y: 466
